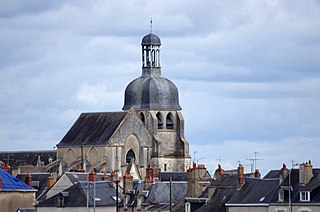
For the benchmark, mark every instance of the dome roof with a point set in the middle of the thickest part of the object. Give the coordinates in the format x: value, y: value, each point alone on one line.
x: 152, y: 93
x: 151, y: 39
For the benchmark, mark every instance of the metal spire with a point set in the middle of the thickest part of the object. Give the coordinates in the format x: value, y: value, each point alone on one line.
x: 151, y: 25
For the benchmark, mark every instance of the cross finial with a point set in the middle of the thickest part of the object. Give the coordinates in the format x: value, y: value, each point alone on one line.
x: 151, y: 25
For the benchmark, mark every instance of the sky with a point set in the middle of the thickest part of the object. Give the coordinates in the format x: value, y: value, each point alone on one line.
x: 248, y: 72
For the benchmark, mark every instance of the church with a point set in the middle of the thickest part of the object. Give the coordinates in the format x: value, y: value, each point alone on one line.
x: 149, y: 131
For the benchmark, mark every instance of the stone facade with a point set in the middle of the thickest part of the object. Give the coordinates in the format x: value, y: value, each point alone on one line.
x: 150, y: 131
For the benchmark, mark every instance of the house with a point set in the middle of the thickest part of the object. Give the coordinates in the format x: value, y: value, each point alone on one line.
x: 14, y: 193
x: 90, y: 193
x: 296, y: 190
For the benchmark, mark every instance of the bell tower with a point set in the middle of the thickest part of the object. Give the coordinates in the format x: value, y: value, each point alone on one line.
x: 156, y: 99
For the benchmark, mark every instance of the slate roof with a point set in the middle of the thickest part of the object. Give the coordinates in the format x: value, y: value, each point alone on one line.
x: 218, y: 200
x: 159, y: 192
x: 313, y: 186
x: 275, y: 174
x: 176, y: 176
x: 92, y: 129
x: 10, y: 182
x: 75, y: 177
x: 256, y: 191
x: 76, y: 195
x: 27, y: 157
x: 39, y: 181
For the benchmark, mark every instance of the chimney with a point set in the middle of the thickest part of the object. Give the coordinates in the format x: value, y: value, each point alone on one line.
x: 219, y: 172
x: 241, y: 179
x: 127, y: 182
x: 195, y: 175
x: 305, y: 173
x: 0, y: 183
x: 257, y: 173
x: 29, y: 179
x: 105, y: 177
x: 113, y: 176
x: 50, y: 181
x: 92, y: 176
x: 283, y: 173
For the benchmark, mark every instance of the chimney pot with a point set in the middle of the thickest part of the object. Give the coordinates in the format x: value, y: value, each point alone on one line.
x: 92, y: 176
x: 29, y: 179
x: 50, y: 181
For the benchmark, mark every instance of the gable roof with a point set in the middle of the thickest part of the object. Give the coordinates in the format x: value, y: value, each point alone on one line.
x: 159, y: 192
x: 92, y: 129
x: 76, y: 195
x: 256, y: 191
x: 10, y: 182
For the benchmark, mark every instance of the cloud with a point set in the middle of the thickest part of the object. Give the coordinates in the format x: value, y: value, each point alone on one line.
x: 246, y: 71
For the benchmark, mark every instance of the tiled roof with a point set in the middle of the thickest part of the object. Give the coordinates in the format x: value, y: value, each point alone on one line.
x: 10, y: 182
x: 92, y: 128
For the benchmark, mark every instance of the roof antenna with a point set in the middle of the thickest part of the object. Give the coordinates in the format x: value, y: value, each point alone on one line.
x: 151, y: 25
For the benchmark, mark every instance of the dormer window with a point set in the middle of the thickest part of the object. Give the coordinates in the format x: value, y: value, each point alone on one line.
x: 304, y: 196
x: 281, y: 195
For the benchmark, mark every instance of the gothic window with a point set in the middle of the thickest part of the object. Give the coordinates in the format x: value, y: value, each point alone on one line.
x: 160, y: 122
x: 169, y: 121
x: 141, y: 116
x: 130, y: 155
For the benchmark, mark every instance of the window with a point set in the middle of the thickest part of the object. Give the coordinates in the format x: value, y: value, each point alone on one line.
x: 160, y: 122
x: 130, y: 155
x: 187, y: 207
x: 169, y: 121
x: 281, y: 195
x: 141, y: 116
x: 304, y: 196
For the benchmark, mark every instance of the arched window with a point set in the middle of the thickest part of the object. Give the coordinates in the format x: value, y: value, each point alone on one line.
x: 130, y: 155
x: 141, y: 116
x: 169, y: 121
x: 160, y: 122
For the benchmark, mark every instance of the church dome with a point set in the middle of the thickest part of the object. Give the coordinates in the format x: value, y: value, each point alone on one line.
x: 152, y: 93
x: 151, y: 39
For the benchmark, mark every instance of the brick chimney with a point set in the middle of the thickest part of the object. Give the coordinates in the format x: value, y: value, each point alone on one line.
x: 241, y: 179
x: 29, y: 179
x: 50, y: 181
x: 151, y: 176
x: 305, y: 173
x: 92, y: 176
x: 219, y: 172
x: 105, y: 177
x: 283, y: 173
x: 257, y: 174
x: 113, y: 176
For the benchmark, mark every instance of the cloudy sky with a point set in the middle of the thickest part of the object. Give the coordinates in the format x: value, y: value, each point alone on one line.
x: 248, y: 72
